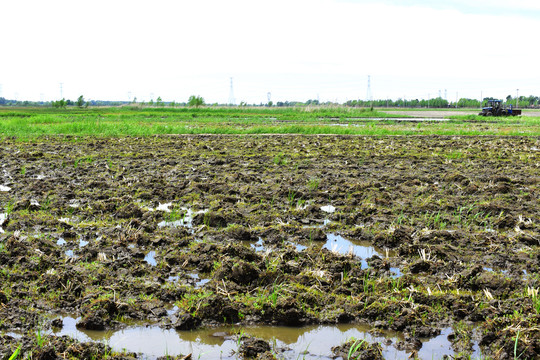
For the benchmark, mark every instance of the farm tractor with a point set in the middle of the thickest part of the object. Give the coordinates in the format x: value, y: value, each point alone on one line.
x: 497, y: 108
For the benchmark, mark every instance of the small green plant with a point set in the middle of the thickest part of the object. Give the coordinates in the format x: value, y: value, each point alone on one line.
x: 40, y: 339
x: 354, y: 348
x: 313, y: 183
x: 280, y: 159
x: 23, y: 170
x: 276, y: 289
x: 454, y: 155
x: 533, y: 293
x: 291, y: 197
x: 9, y: 207
x: 15, y: 353
x: 516, y: 356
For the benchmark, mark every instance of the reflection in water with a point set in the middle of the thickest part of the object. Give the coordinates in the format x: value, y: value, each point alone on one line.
x: 3, y: 218
x: 199, y: 282
x: 220, y: 342
x: 258, y: 246
x: 150, y: 258
x: 362, y: 249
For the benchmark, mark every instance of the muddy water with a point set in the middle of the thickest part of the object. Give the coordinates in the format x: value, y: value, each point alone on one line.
x: 311, y: 342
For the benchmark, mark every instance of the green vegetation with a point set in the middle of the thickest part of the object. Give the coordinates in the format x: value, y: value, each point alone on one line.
x: 136, y: 121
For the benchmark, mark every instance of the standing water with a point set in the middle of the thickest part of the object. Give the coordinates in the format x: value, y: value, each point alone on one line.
x: 310, y: 342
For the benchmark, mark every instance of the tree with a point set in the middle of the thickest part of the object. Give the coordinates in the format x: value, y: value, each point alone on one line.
x: 59, y: 104
x: 80, y: 101
x: 195, y: 101
x: 159, y: 101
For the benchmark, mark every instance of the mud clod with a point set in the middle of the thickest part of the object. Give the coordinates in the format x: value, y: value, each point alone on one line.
x: 252, y: 347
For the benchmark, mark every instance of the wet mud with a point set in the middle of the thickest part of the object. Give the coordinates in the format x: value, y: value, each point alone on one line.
x: 426, y: 237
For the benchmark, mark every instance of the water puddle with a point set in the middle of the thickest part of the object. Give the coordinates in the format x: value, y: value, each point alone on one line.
x: 312, y: 342
x: 412, y: 120
x: 164, y: 207
x: 396, y: 272
x: 82, y: 243
x: 257, y: 246
x: 61, y: 241
x: 492, y: 270
x: 328, y: 209
x: 300, y: 247
x: 320, y: 226
x: 5, y: 188
x: 150, y: 258
x: 3, y: 218
x: 199, y: 282
x: 186, y: 221
x: 70, y: 253
x: 340, y: 245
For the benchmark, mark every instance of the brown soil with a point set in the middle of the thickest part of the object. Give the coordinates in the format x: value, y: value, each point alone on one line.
x: 459, y: 217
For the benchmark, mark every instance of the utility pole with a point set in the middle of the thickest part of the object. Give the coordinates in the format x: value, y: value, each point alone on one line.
x: 428, y: 95
x: 61, y: 91
x: 517, y: 98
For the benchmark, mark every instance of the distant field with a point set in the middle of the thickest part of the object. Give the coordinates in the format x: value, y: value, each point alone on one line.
x: 447, y: 112
x: 135, y: 121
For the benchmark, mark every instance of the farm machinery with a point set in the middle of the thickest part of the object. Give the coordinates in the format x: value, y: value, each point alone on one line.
x: 497, y: 108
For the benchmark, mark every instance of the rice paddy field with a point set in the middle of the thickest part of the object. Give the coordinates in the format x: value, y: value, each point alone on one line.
x: 243, y: 233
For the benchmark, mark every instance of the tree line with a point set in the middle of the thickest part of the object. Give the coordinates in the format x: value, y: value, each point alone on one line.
x: 196, y: 101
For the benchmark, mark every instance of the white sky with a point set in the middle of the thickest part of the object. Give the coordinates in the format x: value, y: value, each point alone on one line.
x: 295, y: 49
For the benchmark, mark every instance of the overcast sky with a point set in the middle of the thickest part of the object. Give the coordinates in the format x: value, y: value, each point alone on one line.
x: 293, y: 49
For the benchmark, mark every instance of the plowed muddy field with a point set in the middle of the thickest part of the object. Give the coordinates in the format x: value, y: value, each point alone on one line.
x: 296, y: 247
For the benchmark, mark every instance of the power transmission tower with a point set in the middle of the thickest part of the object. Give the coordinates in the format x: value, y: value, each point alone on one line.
x: 368, y: 94
x: 232, y: 100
